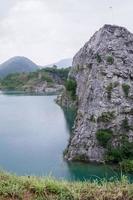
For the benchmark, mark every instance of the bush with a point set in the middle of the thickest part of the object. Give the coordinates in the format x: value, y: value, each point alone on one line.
x: 118, y: 154
x: 126, y: 89
x: 71, y: 87
x: 127, y: 165
x: 103, y: 136
x: 106, y: 117
x: 125, y: 125
x: 110, y: 60
x: 127, y: 150
x: 109, y: 90
x: 113, y: 155
x: 98, y: 58
x: 110, y: 87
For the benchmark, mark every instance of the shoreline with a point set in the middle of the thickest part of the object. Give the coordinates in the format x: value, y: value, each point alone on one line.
x: 29, y: 93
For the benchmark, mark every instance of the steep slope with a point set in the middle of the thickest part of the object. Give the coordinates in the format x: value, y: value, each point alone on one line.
x: 16, y: 65
x: 103, y: 70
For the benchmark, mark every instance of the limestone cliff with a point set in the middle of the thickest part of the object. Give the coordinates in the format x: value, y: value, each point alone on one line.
x: 103, y: 70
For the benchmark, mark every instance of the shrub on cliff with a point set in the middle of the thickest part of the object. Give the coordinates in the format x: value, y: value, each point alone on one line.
x: 127, y: 165
x: 71, y: 86
x: 125, y: 125
x: 110, y: 87
x: 103, y: 136
x: 123, y: 152
x: 98, y: 58
x: 110, y: 60
x: 126, y: 89
x: 113, y: 155
x: 106, y: 116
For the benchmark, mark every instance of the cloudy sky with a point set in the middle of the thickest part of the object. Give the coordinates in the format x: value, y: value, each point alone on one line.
x: 49, y: 30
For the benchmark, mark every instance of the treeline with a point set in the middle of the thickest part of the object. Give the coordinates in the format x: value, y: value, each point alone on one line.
x: 50, y: 75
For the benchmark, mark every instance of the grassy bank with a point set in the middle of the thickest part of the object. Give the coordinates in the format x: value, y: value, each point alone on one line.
x: 33, y: 188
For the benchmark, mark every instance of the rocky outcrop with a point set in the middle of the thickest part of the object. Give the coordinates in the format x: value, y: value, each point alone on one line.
x: 43, y: 88
x: 103, y: 70
x: 65, y: 100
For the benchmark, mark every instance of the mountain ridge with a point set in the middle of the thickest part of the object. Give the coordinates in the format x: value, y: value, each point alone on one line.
x: 17, y: 64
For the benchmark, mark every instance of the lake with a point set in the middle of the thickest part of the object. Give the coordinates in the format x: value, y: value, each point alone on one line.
x: 34, y: 132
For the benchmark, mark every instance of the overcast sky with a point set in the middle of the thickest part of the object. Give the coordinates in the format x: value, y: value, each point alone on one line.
x: 49, y: 30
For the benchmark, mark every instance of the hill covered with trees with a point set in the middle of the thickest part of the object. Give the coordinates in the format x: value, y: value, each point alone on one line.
x: 43, y: 80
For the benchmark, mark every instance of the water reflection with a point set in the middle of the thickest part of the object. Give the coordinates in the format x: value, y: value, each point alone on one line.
x: 80, y: 171
x: 70, y: 115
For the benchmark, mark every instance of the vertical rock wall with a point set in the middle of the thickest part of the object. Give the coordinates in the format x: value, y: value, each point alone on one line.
x: 103, y: 70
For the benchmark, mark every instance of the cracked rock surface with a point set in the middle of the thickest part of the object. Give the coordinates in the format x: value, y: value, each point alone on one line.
x: 103, y: 70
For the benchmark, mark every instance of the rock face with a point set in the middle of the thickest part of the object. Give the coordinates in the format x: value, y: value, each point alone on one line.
x: 103, y: 70
x: 65, y: 101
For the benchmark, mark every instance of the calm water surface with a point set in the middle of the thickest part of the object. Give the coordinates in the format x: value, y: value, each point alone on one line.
x: 34, y: 131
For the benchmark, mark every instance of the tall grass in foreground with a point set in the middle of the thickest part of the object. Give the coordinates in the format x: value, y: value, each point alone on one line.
x: 35, y: 188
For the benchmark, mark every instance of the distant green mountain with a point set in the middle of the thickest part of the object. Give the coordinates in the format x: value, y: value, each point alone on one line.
x: 17, y: 65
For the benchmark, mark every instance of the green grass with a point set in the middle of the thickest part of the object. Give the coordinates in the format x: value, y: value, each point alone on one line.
x: 35, y: 188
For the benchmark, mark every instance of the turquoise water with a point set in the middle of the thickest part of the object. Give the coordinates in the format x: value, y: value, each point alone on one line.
x: 34, y: 131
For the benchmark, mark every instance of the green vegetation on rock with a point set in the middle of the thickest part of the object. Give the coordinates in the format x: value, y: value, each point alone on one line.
x: 121, y: 152
x: 71, y: 86
x: 103, y: 136
x: 110, y: 87
x: 127, y: 165
x: 29, y: 81
x: 126, y: 89
x: 125, y: 125
x: 98, y: 58
x: 62, y: 73
x: 106, y: 117
x: 110, y: 60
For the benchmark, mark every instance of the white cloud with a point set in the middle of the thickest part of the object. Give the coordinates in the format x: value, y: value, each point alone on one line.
x: 47, y: 30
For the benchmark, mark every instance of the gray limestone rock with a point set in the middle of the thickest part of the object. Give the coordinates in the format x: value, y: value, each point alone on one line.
x: 103, y: 70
